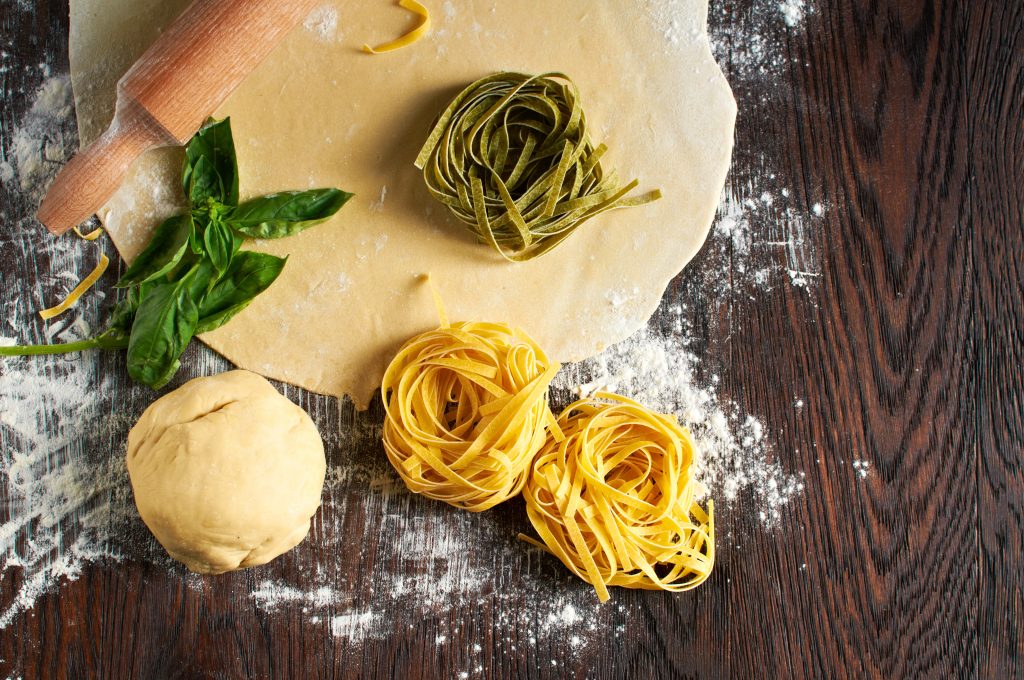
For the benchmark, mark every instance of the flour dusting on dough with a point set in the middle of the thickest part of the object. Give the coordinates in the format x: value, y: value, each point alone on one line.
x: 322, y: 22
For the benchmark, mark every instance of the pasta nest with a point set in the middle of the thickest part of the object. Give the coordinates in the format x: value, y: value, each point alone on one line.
x: 466, y: 411
x: 512, y: 159
x: 615, y: 500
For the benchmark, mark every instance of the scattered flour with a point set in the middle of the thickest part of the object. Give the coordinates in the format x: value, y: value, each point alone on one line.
x: 750, y: 45
x: 378, y: 205
x: 429, y: 564
x: 135, y: 215
x: 761, y: 232
x: 38, y: 145
x: 567, y: 617
x: 67, y: 496
x: 354, y: 626
x: 761, y: 243
x: 800, y: 279
x: 792, y: 12
x: 862, y: 468
x: 344, y: 282
x: 269, y: 595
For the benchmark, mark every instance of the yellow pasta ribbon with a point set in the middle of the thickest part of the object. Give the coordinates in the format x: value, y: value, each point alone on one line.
x: 409, y: 38
x: 512, y: 159
x: 615, y: 499
x: 465, y: 412
x: 91, y: 236
x: 79, y: 290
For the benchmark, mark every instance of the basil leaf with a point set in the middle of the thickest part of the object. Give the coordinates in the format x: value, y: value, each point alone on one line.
x: 206, y: 183
x: 220, y: 244
x: 201, y: 280
x: 214, y: 143
x: 164, y: 324
x: 286, y: 213
x: 124, y: 312
x: 250, y: 274
x: 162, y: 254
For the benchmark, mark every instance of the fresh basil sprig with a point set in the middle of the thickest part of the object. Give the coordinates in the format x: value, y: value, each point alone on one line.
x: 192, y: 277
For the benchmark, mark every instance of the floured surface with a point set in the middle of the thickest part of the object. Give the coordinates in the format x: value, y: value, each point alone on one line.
x: 320, y: 113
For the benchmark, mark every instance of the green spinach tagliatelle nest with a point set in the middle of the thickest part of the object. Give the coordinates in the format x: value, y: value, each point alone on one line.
x: 511, y: 158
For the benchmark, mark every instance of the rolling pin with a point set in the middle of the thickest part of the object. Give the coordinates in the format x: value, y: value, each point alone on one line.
x: 168, y: 94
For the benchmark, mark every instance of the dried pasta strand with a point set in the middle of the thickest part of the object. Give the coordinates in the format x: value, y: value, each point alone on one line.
x: 79, y: 290
x: 465, y: 412
x: 91, y: 236
x: 512, y: 159
x: 615, y: 501
x: 409, y: 38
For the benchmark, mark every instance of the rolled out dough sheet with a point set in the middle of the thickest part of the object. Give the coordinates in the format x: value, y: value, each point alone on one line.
x: 319, y: 112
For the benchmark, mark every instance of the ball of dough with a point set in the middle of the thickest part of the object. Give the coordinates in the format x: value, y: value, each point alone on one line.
x: 226, y: 472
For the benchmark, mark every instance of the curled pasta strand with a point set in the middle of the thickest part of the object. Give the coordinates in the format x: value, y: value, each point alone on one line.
x: 409, y: 38
x: 616, y: 501
x: 465, y: 412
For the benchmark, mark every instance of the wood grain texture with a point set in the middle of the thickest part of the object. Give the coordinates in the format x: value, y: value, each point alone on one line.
x: 995, y: 74
x: 874, y: 121
x: 904, y: 119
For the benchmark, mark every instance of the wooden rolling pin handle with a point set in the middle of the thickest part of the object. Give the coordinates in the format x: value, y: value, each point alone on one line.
x: 94, y: 174
x: 167, y: 94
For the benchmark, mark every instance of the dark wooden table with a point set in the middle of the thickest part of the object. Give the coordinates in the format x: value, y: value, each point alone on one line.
x: 904, y: 120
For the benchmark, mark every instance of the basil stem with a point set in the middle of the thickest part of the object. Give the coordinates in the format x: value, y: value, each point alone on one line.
x: 105, y: 341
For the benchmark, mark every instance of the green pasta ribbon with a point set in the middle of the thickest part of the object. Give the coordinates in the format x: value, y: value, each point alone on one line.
x: 511, y: 158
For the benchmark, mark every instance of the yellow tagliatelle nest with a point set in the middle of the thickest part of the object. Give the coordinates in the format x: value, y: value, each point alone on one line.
x: 466, y: 411
x: 615, y: 499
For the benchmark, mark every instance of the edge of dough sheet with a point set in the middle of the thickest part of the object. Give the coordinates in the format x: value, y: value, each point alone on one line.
x: 95, y: 68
